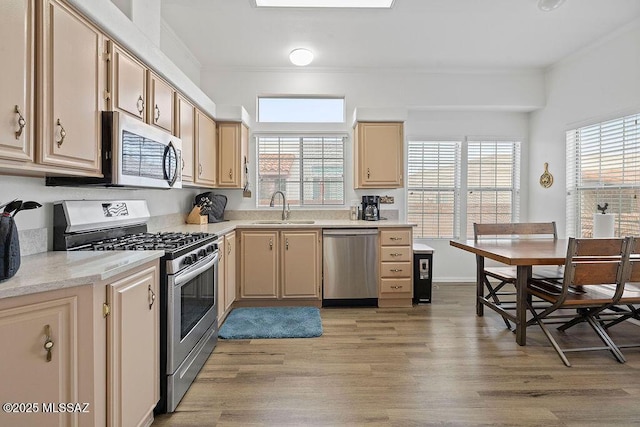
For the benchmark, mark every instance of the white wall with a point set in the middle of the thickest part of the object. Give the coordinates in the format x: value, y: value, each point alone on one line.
x: 491, y: 104
x: 593, y: 85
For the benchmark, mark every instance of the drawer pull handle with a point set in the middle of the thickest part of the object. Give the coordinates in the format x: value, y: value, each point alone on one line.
x: 395, y: 238
x: 63, y: 133
x: 48, y: 344
x: 368, y: 173
x: 21, y: 122
x: 152, y: 297
x: 286, y: 243
x: 157, y: 114
x: 230, y: 173
x: 396, y: 287
x: 396, y: 254
x: 395, y: 270
x: 182, y: 163
x: 140, y: 104
x: 199, y: 169
x: 270, y: 244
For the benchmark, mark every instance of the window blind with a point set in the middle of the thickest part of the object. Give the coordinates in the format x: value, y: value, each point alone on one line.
x: 309, y: 169
x: 433, y: 182
x: 603, y: 166
x: 493, y: 183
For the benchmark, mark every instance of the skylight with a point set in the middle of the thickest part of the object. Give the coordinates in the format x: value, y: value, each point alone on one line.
x: 374, y: 4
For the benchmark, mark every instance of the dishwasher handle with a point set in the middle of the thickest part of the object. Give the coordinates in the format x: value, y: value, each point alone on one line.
x: 345, y: 232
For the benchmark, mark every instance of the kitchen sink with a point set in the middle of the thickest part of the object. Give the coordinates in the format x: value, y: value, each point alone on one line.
x: 286, y: 221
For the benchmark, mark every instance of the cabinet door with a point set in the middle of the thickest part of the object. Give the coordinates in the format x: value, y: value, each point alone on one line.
x: 128, y: 83
x: 301, y: 263
x: 133, y: 348
x: 259, y: 264
x: 222, y: 268
x: 16, y: 83
x: 27, y: 374
x: 230, y: 268
x: 206, y: 147
x: 71, y: 89
x: 185, y: 131
x: 230, y: 154
x: 161, y: 103
x: 380, y: 155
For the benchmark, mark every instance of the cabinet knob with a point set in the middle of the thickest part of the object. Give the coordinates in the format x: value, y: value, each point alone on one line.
x: 230, y: 173
x: 63, y: 133
x: 140, y: 104
x: 368, y: 173
x: 21, y: 122
x: 270, y: 244
x: 286, y: 243
x: 199, y: 169
x: 157, y: 114
x: 182, y: 163
x: 48, y: 344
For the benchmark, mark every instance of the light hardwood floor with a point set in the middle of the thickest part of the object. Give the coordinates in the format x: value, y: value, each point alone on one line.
x: 435, y: 364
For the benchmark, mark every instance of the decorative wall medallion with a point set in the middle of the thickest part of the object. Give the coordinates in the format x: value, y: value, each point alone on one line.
x: 546, y: 179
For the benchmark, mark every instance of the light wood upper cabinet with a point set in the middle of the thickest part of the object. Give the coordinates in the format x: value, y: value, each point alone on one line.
x: 378, y: 152
x: 206, y: 150
x: 133, y: 354
x: 185, y: 130
x: 233, y: 143
x: 160, y: 111
x: 127, y: 83
x: 70, y: 89
x: 16, y: 84
x: 230, y: 270
x: 259, y: 264
x: 301, y: 264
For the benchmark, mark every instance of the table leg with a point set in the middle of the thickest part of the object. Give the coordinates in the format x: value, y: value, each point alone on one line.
x: 523, y: 276
x: 479, y: 285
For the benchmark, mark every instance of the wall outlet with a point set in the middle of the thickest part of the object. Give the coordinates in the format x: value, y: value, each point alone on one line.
x: 386, y: 200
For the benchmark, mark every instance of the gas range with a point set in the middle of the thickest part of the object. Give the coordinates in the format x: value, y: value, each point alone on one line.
x: 188, y: 280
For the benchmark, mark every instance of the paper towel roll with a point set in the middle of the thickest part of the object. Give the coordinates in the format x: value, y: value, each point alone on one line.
x: 603, y: 225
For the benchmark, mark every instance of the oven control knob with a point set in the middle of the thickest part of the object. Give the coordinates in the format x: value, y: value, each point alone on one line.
x: 202, y: 253
x: 187, y: 260
x: 209, y: 249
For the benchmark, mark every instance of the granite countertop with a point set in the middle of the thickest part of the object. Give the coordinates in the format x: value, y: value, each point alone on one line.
x: 225, y: 227
x: 49, y: 271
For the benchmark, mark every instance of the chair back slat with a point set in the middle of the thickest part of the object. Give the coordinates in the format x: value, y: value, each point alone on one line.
x: 596, y: 272
x: 599, y: 247
x: 546, y: 229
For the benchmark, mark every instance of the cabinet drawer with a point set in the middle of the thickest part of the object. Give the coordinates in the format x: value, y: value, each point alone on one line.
x: 395, y: 253
x: 395, y: 269
x: 400, y: 237
x: 395, y: 286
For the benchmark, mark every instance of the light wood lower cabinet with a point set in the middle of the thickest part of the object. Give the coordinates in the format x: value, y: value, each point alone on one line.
x: 396, y: 268
x: 230, y: 270
x: 109, y: 365
x: 133, y: 349
x: 280, y: 264
x: 222, y: 288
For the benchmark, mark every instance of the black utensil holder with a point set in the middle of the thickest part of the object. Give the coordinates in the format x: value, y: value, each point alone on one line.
x: 9, y: 248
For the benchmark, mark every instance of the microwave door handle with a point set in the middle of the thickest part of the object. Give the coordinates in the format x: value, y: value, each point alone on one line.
x: 172, y: 180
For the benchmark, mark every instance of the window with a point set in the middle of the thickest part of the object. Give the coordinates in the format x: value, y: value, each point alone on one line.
x: 300, y: 110
x: 433, y: 182
x: 309, y: 170
x: 493, y: 182
x: 434, y: 185
x: 603, y: 166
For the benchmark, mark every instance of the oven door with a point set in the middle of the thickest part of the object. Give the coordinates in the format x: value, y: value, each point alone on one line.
x: 191, y: 308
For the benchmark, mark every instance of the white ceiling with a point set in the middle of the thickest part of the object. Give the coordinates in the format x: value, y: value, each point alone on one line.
x: 415, y: 34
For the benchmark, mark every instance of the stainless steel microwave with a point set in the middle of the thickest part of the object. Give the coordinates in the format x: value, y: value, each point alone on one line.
x: 134, y: 154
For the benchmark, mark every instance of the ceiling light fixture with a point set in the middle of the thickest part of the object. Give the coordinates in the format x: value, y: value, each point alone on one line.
x: 325, y: 3
x: 301, y: 57
x: 549, y: 5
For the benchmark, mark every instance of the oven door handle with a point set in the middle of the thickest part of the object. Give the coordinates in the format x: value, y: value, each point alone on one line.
x: 185, y: 277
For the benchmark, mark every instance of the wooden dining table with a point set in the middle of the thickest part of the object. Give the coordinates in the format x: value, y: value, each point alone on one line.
x: 522, y: 253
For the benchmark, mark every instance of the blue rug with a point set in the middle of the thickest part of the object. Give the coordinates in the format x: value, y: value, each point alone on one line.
x: 272, y: 322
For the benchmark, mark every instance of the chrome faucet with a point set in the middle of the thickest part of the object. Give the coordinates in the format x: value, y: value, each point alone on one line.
x: 285, y: 215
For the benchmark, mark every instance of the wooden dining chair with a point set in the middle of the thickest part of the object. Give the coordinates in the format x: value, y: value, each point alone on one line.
x: 593, y: 268
x: 507, y: 275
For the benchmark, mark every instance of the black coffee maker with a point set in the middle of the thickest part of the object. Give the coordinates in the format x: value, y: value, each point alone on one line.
x: 371, y: 208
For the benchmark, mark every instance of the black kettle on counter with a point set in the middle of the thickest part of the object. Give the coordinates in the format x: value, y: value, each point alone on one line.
x: 9, y: 243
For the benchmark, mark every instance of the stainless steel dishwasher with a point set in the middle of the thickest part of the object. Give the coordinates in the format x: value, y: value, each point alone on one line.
x: 350, y: 267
